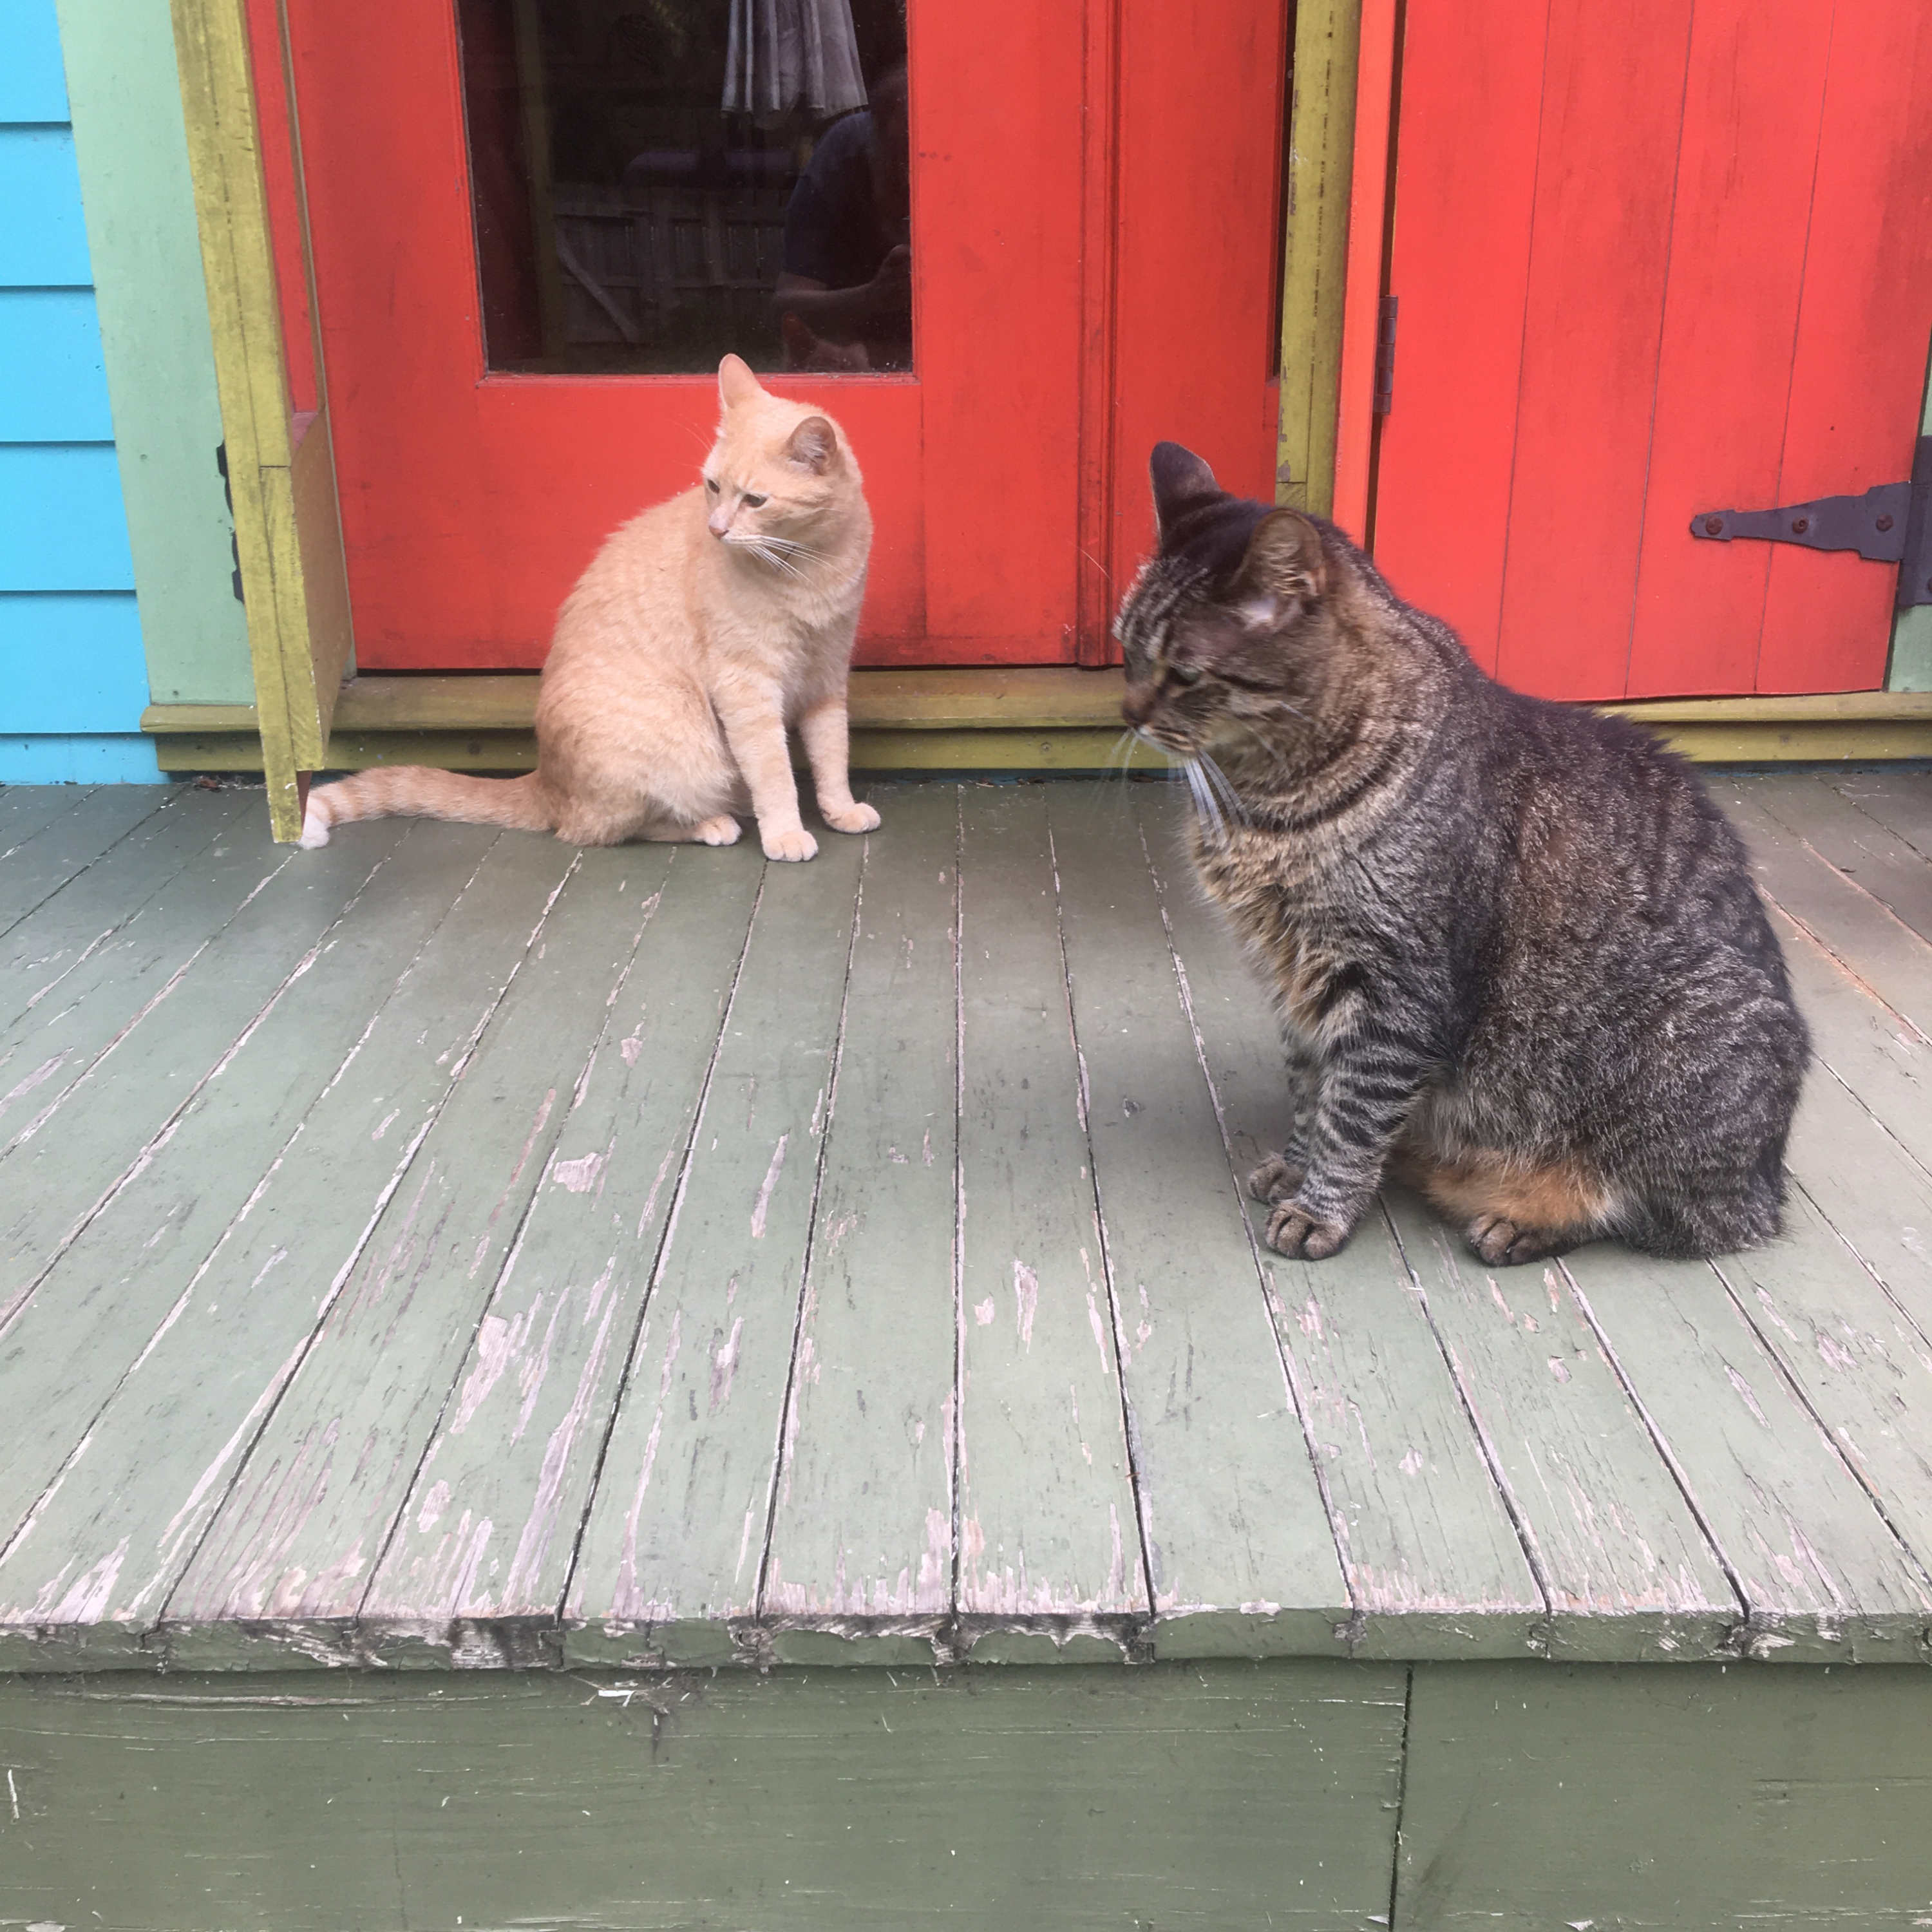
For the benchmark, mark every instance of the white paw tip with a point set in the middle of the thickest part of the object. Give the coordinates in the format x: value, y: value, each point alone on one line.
x: 315, y: 828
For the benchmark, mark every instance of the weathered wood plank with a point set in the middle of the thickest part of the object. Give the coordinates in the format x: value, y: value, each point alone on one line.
x: 1630, y: 1572
x: 1820, y: 1575
x: 489, y: 1526
x: 240, y: 1290
x: 1432, y: 1557
x: 25, y: 811
x: 1726, y: 1799
x: 1864, y: 1180
x: 135, y: 1269
x: 1234, y: 1525
x: 1049, y: 1542
x: 108, y: 1081
x: 32, y: 872
x: 674, y: 1541
x: 860, y: 1557
x: 1863, y: 1366
x: 44, y: 947
x: 1883, y: 864
x: 977, y: 1800
x: 318, y: 1493
x: 1630, y: 1575
x: 1900, y: 801
x: 1855, y: 927
x: 1868, y: 1047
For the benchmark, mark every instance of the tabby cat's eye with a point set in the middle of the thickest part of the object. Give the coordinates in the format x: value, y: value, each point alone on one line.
x: 1185, y: 673
x: 755, y: 503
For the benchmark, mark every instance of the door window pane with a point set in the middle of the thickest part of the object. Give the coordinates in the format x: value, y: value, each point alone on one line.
x: 657, y: 182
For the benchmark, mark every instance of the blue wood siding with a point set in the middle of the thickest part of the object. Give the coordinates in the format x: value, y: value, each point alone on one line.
x: 73, y: 679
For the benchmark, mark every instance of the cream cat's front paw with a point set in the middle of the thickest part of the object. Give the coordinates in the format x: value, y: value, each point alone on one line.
x: 797, y: 843
x: 721, y: 830
x: 853, y: 817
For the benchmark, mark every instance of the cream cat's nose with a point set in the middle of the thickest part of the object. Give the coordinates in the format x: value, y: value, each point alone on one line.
x: 719, y: 521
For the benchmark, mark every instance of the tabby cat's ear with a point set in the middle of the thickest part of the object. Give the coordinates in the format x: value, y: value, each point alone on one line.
x: 1284, y: 558
x: 735, y: 382
x: 1180, y: 478
x: 813, y: 446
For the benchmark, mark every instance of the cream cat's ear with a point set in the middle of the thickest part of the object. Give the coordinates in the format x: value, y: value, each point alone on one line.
x: 813, y: 446
x: 735, y: 382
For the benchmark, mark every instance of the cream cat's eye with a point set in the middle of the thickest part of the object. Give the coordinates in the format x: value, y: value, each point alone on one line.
x: 754, y: 503
x: 711, y: 484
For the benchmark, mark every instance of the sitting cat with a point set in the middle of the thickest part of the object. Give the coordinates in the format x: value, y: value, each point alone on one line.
x: 700, y: 631
x: 1514, y: 947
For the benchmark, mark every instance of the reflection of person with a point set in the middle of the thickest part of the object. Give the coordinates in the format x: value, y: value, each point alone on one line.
x: 845, y: 286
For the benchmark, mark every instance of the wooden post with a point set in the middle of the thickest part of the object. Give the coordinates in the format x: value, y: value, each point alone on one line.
x: 1910, y: 668
x: 281, y: 466
x: 1321, y: 149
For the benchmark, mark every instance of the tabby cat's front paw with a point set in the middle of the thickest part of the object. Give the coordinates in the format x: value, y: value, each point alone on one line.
x: 797, y: 843
x: 1275, y: 1179
x: 853, y: 818
x: 1506, y: 1243
x: 1295, y: 1231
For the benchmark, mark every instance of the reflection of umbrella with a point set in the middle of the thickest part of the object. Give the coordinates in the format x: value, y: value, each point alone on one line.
x: 784, y: 54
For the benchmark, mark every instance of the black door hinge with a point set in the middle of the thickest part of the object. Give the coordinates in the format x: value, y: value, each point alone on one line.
x: 1892, y: 523
x: 228, y: 497
x: 1385, y: 356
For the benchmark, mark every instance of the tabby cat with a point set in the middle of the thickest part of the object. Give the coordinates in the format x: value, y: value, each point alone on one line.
x: 1514, y: 947
x: 700, y: 631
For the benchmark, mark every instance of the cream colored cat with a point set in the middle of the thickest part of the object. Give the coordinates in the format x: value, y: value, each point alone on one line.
x: 700, y: 631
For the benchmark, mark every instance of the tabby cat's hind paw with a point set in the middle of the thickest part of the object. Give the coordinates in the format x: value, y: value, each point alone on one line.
x: 1275, y: 1180
x: 1295, y: 1232
x: 1502, y: 1244
x: 853, y: 818
x: 721, y: 830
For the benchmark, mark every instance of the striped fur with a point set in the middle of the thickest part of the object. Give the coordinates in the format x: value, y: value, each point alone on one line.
x: 1514, y: 947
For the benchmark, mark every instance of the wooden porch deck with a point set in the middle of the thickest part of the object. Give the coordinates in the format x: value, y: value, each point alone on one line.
x: 451, y: 1249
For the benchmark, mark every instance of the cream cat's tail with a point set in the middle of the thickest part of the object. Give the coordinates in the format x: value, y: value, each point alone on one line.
x: 418, y: 791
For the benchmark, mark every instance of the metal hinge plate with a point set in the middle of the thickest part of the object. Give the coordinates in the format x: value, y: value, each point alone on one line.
x: 1892, y: 523
x: 1385, y: 356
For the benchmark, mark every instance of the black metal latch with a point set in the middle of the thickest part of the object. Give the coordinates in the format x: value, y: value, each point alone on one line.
x: 1890, y: 524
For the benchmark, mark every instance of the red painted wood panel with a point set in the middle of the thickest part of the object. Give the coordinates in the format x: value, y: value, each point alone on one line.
x: 1613, y: 104
x: 1202, y: 106
x: 471, y: 501
x: 1718, y: 296
x: 1862, y: 332
x: 1749, y: 154
x: 1465, y: 172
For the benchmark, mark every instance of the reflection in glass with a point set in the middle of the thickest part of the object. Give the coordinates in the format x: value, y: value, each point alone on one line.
x: 657, y: 182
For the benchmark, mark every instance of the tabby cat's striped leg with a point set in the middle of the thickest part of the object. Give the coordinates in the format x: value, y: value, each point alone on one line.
x: 1277, y: 1176
x: 1367, y: 1086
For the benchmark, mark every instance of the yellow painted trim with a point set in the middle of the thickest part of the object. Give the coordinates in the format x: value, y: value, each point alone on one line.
x: 1315, y: 245
x: 288, y: 534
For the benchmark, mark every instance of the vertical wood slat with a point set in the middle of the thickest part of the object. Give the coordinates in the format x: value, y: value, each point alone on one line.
x: 1099, y: 218
x: 1742, y: 223
x: 1863, y: 328
x: 1368, y: 233
x: 1466, y: 177
x: 1316, y: 246
x: 1612, y: 108
x: 280, y: 476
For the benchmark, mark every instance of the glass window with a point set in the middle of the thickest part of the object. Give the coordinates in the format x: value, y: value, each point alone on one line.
x: 656, y: 184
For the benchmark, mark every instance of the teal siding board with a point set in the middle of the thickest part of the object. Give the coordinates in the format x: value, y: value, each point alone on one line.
x: 69, y: 660
x: 50, y: 338
x: 32, y: 87
x: 61, y: 524
x: 73, y: 677
x: 42, y: 242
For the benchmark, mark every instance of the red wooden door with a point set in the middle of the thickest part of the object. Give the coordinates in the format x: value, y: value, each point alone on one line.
x: 1653, y: 257
x: 1093, y: 217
